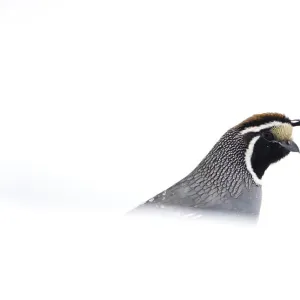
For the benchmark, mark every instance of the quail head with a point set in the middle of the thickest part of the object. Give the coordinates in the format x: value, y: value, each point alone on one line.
x: 228, y: 179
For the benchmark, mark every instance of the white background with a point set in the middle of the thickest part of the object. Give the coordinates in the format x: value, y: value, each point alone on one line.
x: 105, y: 104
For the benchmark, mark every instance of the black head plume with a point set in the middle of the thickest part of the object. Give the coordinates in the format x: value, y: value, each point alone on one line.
x: 295, y: 123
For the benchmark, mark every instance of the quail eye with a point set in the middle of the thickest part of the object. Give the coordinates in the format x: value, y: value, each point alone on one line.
x: 268, y: 135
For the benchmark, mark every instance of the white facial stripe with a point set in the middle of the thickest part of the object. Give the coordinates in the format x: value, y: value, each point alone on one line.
x: 248, y: 157
x: 261, y: 127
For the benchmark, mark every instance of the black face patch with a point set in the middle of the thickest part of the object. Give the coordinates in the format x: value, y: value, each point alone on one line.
x: 249, y: 136
x: 264, y: 154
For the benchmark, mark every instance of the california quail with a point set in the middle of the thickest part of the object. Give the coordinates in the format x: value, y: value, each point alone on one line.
x: 228, y: 179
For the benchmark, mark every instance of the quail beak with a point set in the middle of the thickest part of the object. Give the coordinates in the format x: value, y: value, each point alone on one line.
x: 289, y: 145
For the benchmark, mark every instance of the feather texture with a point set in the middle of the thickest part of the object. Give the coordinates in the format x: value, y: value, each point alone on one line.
x: 220, y: 182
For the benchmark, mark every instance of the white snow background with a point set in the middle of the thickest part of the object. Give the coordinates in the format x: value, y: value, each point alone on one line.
x: 104, y: 104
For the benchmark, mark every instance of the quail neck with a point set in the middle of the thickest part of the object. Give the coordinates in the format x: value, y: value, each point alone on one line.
x: 229, y: 177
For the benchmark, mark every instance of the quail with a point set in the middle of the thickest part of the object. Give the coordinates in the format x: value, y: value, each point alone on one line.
x: 228, y: 179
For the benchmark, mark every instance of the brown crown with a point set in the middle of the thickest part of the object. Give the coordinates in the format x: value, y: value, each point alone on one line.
x: 259, y: 119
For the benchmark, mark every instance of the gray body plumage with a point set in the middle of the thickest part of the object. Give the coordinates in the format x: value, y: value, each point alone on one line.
x: 220, y: 183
